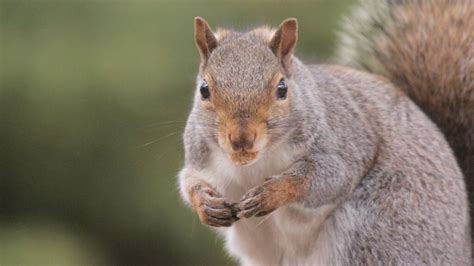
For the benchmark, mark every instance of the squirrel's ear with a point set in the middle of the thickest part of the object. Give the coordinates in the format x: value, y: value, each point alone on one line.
x: 205, y: 39
x: 284, y: 40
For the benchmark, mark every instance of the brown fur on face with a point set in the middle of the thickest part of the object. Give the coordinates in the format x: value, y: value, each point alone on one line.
x: 242, y: 130
x: 243, y: 74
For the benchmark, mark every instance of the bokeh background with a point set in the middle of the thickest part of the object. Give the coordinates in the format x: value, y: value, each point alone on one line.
x: 93, y: 100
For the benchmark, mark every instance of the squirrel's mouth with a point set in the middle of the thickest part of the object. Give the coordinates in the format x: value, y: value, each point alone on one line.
x: 243, y: 157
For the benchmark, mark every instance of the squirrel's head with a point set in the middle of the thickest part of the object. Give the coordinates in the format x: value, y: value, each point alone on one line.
x: 244, y: 87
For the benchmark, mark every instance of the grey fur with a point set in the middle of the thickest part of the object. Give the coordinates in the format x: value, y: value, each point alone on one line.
x: 427, y: 49
x: 396, y: 193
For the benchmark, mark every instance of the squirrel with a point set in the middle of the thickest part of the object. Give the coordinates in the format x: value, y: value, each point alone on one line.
x: 298, y: 164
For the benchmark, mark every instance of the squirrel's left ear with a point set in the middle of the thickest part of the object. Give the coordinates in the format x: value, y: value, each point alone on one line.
x: 205, y: 39
x: 284, y: 41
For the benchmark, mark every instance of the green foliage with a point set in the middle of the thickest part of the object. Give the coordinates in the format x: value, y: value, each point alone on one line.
x: 93, y: 99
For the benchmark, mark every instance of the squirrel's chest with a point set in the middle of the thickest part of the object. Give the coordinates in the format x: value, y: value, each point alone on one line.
x: 233, y: 181
x: 289, y: 230
x: 288, y: 236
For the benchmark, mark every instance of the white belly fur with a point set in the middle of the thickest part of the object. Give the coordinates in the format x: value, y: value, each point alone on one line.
x: 290, y: 235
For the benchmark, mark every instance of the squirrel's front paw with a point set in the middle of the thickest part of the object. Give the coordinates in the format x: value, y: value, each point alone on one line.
x: 212, y: 209
x: 261, y: 200
x: 274, y: 193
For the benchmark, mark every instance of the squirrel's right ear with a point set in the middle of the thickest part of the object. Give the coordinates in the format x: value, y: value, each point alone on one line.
x: 205, y: 39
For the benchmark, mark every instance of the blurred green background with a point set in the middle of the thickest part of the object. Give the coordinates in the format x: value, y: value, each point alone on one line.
x: 93, y: 100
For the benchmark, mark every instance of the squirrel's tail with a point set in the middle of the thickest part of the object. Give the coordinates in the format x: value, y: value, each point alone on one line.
x: 427, y: 49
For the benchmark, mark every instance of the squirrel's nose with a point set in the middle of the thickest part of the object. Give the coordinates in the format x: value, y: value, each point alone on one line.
x: 242, y: 141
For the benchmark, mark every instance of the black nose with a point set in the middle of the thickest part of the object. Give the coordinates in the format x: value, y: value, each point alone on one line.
x: 240, y: 142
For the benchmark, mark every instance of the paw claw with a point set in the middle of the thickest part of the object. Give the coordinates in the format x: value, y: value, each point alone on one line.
x: 263, y: 213
x: 257, y: 201
x: 213, y: 210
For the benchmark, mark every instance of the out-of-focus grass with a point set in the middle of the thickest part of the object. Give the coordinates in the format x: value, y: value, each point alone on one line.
x: 93, y: 99
x: 40, y: 243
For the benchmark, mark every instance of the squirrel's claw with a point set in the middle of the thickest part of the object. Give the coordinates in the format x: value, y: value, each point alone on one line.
x: 248, y: 212
x: 225, y: 215
x: 215, y: 211
x: 255, y: 202
x: 264, y: 199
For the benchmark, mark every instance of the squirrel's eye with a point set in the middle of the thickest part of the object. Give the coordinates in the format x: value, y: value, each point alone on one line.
x: 282, y: 89
x: 204, y: 89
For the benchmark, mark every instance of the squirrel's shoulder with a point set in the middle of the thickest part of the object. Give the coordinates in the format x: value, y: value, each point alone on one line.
x: 340, y: 72
x: 352, y: 79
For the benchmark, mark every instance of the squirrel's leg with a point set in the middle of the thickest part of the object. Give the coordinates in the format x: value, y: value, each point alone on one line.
x: 210, y: 206
x: 313, y: 181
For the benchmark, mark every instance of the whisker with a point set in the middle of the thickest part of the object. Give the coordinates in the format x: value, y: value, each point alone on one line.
x: 163, y: 123
x: 158, y: 139
x: 264, y: 219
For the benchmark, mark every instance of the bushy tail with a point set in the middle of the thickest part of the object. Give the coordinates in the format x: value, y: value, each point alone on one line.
x: 427, y: 49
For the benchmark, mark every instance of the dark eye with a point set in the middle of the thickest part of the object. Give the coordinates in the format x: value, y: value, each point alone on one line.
x: 204, y: 89
x: 282, y: 89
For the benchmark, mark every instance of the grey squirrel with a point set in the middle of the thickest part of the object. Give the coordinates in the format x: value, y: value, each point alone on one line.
x: 298, y: 164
